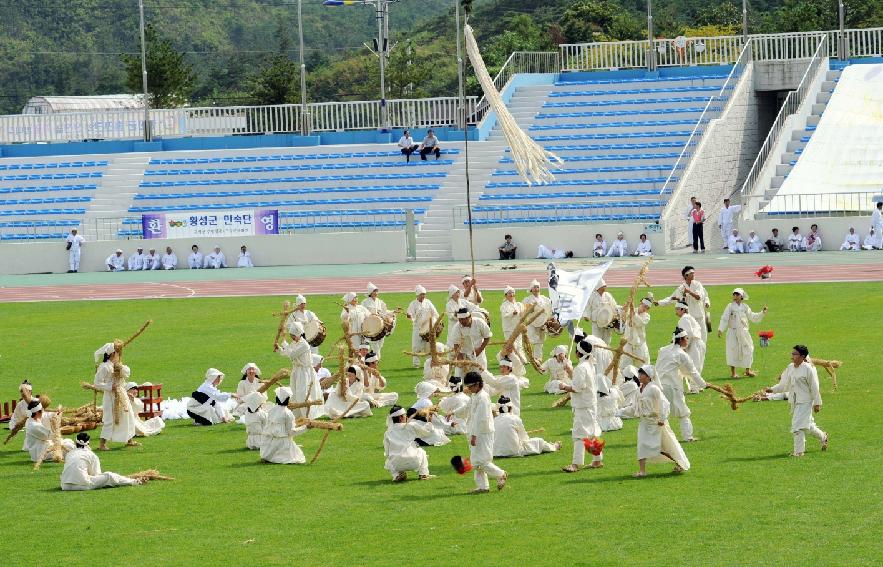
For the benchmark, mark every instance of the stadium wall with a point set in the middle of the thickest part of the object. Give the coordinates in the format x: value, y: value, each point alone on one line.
x: 833, y: 229
x: 373, y: 247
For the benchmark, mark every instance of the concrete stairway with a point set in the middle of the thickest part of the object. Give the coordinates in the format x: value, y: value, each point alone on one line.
x: 112, y: 200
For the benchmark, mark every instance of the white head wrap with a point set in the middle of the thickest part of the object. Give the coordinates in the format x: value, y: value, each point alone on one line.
x: 509, y: 289
x: 119, y: 251
x: 682, y: 305
x: 254, y: 400
x: 296, y: 328
x: 38, y: 408
x: 630, y: 371
x: 317, y: 359
x: 25, y: 386
x: 579, y: 348
x: 467, y: 279
x: 452, y: 289
x: 680, y: 334
x: 646, y: 302
x: 649, y: 371
x: 601, y: 283
x: 398, y: 413
x: 560, y: 349
x: 505, y: 362
x: 106, y: 349
x: 130, y: 385
x: 372, y: 288
x: 283, y: 394
x: 419, y: 289
x: 690, y: 271
x: 348, y: 297
x: 372, y: 357
x: 425, y: 389
x: 365, y: 346
x: 463, y: 313
x: 251, y: 365
x: 299, y: 300
x: 534, y: 284
x: 213, y: 373
x: 741, y: 292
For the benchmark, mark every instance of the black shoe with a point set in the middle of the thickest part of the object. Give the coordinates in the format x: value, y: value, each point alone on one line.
x: 70, y: 271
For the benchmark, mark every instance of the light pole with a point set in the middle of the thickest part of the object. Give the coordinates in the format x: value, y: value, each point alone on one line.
x: 744, y: 20
x: 148, y: 135
x: 841, y: 48
x: 461, y: 93
x: 651, y: 55
x: 304, y: 117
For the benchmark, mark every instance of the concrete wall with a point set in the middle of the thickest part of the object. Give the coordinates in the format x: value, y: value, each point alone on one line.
x: 779, y: 75
x: 302, y: 249
x: 575, y: 237
x: 833, y: 229
x: 721, y: 162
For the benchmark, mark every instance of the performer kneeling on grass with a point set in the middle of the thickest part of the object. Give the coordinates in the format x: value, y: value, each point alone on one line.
x: 206, y: 404
x: 255, y: 419
x: 38, y: 432
x: 400, y: 445
x: 480, y: 429
x: 511, y: 438
x: 656, y: 440
x: 584, y: 402
x: 801, y: 382
x: 559, y: 369
x: 250, y: 382
x: 348, y: 396
x: 277, y: 445
x: 82, y: 470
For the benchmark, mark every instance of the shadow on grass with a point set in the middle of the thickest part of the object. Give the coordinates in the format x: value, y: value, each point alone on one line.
x: 752, y: 458
x: 255, y: 463
x: 236, y: 451
x: 373, y: 483
x: 624, y: 478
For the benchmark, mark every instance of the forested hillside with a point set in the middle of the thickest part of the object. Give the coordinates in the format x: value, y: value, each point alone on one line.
x: 245, y: 51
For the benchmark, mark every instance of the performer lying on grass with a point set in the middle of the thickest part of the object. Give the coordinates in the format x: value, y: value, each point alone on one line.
x: 82, y: 470
x: 511, y: 438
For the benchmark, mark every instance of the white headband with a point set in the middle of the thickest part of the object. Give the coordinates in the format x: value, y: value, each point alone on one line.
x: 741, y: 292
x: 682, y: 305
x: 299, y: 300
x: 646, y: 302
x: 82, y: 444
x: 680, y: 335
x: 36, y: 409
x: 398, y: 412
x: 419, y: 289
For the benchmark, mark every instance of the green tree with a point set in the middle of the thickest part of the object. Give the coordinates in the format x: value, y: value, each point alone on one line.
x: 407, y: 72
x: 599, y: 20
x: 169, y: 78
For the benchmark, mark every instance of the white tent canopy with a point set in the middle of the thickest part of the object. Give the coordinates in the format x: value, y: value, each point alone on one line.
x: 57, y: 104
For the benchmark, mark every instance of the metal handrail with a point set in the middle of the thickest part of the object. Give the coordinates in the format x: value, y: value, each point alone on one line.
x: 797, y: 205
x: 519, y: 62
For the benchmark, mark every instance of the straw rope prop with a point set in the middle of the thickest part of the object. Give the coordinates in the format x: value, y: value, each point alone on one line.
x: 532, y: 161
x: 305, y: 404
x: 618, y: 353
x: 119, y: 345
x: 44, y: 401
x: 281, y: 374
x: 628, y: 307
x: 283, y: 317
x: 439, y: 360
x: 526, y: 319
x: 562, y: 401
x: 830, y: 367
x: 328, y: 430
x: 120, y: 398
x: 55, y: 450
x: 150, y: 474
x: 316, y: 424
x: 728, y: 393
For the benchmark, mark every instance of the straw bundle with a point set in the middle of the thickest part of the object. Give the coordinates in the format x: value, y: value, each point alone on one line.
x: 283, y: 317
x: 55, y: 450
x: 728, y: 393
x: 618, y: 352
x: 76, y: 428
x: 281, y: 374
x: 830, y: 367
x: 148, y: 475
x: 304, y: 404
x: 120, y: 398
x: 119, y: 345
x: 314, y: 424
x: 562, y: 401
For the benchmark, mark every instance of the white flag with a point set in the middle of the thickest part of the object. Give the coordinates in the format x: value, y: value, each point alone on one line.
x: 570, y: 291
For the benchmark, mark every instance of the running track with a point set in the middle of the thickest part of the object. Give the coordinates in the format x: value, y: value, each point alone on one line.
x: 618, y: 277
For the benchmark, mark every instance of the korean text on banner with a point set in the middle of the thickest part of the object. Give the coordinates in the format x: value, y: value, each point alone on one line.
x: 570, y: 291
x: 246, y: 222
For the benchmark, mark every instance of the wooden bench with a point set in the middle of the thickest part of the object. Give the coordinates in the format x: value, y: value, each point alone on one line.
x: 151, y: 395
x: 7, y: 410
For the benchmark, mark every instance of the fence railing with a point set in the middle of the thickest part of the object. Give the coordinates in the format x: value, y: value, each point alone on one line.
x: 791, y: 104
x: 561, y: 212
x: 815, y: 204
x: 519, y: 62
x: 229, y: 120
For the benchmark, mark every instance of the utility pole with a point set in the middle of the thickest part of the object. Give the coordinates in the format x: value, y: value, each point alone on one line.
x: 304, y: 116
x: 744, y: 20
x: 651, y: 55
x: 148, y: 135
x: 461, y: 94
x: 842, y: 51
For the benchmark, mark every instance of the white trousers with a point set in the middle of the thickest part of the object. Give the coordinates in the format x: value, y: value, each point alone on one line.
x: 482, y: 459
x: 75, y: 259
x: 800, y: 437
x: 104, y: 480
x: 579, y: 454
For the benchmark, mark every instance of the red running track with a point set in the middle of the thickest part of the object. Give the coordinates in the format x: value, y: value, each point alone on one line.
x: 621, y: 277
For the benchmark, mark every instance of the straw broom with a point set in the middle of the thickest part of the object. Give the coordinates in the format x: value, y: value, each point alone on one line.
x: 148, y: 475
x: 728, y: 393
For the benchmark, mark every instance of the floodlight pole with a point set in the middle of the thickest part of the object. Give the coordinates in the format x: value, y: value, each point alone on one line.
x: 461, y: 94
x: 148, y: 135
x: 651, y: 54
x: 841, y: 48
x: 304, y: 117
x: 744, y: 20
x: 382, y: 32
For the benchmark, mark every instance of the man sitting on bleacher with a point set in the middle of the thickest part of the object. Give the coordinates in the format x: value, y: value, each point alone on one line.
x: 407, y: 145
x: 429, y: 146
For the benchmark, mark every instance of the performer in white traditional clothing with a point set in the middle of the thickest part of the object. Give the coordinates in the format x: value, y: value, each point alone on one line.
x: 169, y: 259
x: 635, y: 333
x: 302, y: 315
x: 255, y: 419
x: 877, y: 225
x: 470, y: 291
x: 511, y: 438
x: 354, y: 315
x: 599, y: 246
x: 546, y: 253
x: 277, y: 445
x: 628, y: 386
x: 375, y: 384
x: 559, y: 369
x: 152, y: 260
x: 437, y: 372
x: 644, y: 248
x: 196, y: 260
x: 800, y: 382
x: 82, y: 470
x: 454, y: 304
x: 696, y: 346
x: 150, y: 427
x: 726, y: 219
x: 453, y: 410
x: 754, y: 244
x: 672, y: 365
x: 693, y: 293
x: 38, y: 432
x: 601, y: 310
x: 400, y: 446
x: 584, y: 404
x: 251, y: 381
x: 215, y: 259
x: 480, y: 429
x: 136, y: 260
x: 796, y: 243
x: 469, y: 338
x: 656, y: 440
x: 505, y: 384
x: 117, y: 428
x: 734, y: 320
x: 377, y: 306
x: 244, y: 260
x: 206, y: 405
x: 304, y: 382
x: 536, y: 331
x: 619, y: 248
x: 116, y: 262
x: 510, y: 312
x: 851, y: 241
x: 321, y: 372
x: 348, y: 395
x: 735, y: 242
x: 420, y: 311
x: 20, y: 413
x: 871, y: 241
x: 74, y: 246
x: 609, y: 401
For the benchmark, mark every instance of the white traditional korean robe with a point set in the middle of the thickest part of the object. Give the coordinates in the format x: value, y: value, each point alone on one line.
x: 850, y: 242
x: 629, y: 391
x: 76, y: 242
x: 169, y: 261
x: 337, y: 404
x: 355, y: 315
x: 725, y: 221
x: 376, y: 307
x: 110, y: 430
x: 438, y: 375
x: 244, y: 388
x: 740, y: 346
x: 152, y: 426
x: 672, y: 365
x: 212, y: 412
x: 136, y: 262
x: 653, y: 439
x: 277, y: 445
x: 453, y: 412
x: 536, y: 331
x: 510, y: 312
x: 609, y: 403
x: 115, y: 263
x: 698, y: 308
x: 643, y: 249
x: 215, y: 260
x: 37, y: 437
x: 255, y: 423
x: 619, y: 248
x: 584, y: 405
x: 801, y: 385
x: 304, y: 383
x: 470, y: 338
x: 244, y: 260
x: 796, y: 243
x: 374, y: 393
x: 195, y: 260
x: 480, y: 424
x: 877, y: 225
x: 420, y: 313
x: 82, y: 471
x: 599, y: 248
x: 400, y: 449
x: 511, y: 438
x: 507, y: 385
x: 557, y: 373
x: 303, y: 316
x: 636, y: 339
x: 451, y: 308
x: 601, y: 310
x: 813, y: 242
x: 151, y: 262
x: 696, y: 346
x: 736, y: 244
x: 755, y: 245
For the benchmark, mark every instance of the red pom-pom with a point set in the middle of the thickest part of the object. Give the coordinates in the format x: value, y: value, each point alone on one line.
x: 594, y: 445
x: 764, y: 272
x: 766, y: 334
x: 461, y: 465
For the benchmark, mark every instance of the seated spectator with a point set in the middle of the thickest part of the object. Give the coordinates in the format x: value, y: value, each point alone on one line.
x: 244, y: 258
x: 813, y: 241
x: 735, y: 243
x: 619, y: 248
x: 215, y: 259
x: 599, y: 247
x: 553, y: 254
x: 508, y: 249
x: 870, y: 241
x: 169, y: 260
x: 195, y: 260
x: 407, y: 145
x: 795, y: 241
x: 775, y: 243
x: 115, y: 262
x: 151, y: 261
x: 851, y: 241
x: 136, y: 260
x: 754, y: 245
x: 643, y: 248
x: 430, y: 146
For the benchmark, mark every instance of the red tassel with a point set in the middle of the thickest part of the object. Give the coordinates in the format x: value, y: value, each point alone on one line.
x: 594, y: 446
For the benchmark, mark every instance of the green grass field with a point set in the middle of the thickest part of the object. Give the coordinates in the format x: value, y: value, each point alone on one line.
x: 744, y: 502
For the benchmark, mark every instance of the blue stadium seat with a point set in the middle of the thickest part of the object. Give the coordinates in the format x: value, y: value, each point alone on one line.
x: 621, y: 124
x: 641, y: 112
x: 608, y: 169
x: 570, y: 182
x: 45, y: 201
x: 317, y: 179
x: 614, y: 136
x: 594, y: 147
x: 290, y: 191
x: 610, y: 157
x: 41, y: 212
x: 569, y: 206
x: 283, y: 157
x: 294, y: 203
x: 709, y: 77
x: 39, y: 223
x: 43, y: 176
x: 568, y: 195
x: 54, y: 165
x: 563, y: 94
x: 25, y: 236
x: 622, y: 102
x: 580, y: 218
x: 301, y: 167
x: 47, y: 188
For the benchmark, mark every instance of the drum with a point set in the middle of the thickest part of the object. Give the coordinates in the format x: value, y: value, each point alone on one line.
x: 553, y: 327
x: 374, y: 327
x: 315, y: 332
x: 424, y: 329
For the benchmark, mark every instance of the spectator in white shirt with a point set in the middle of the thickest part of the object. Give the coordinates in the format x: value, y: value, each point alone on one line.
x: 735, y: 242
x: 169, y: 260
x: 851, y: 241
x: 775, y: 243
x: 795, y: 241
x: 553, y: 253
x: 116, y: 262
x: 195, y: 260
x: 244, y: 258
x: 644, y: 248
x: 407, y: 145
x: 215, y: 259
x: 813, y: 241
x: 725, y: 221
x: 74, y: 244
x: 136, y: 260
x: 430, y: 146
x: 151, y: 260
x: 599, y: 247
x: 619, y: 248
x: 755, y: 246
x: 870, y: 242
